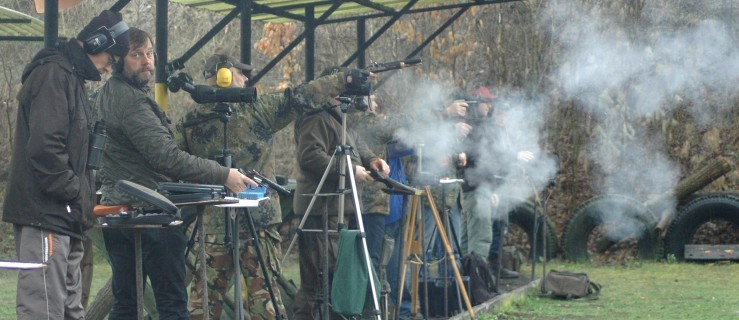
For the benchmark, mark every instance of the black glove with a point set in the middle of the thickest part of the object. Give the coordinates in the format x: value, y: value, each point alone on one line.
x: 357, y: 82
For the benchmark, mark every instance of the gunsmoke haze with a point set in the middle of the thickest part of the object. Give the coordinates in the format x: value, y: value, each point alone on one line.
x: 626, y: 74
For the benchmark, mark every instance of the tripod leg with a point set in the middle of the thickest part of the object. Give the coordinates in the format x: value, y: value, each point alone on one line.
x: 410, y: 248
x: 235, y: 251
x: 449, y: 252
x: 260, y: 258
x: 308, y: 210
x: 360, y: 224
x: 201, y: 256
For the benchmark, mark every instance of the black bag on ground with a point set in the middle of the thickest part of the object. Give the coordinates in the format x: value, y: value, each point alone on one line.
x: 569, y: 285
x: 482, y: 280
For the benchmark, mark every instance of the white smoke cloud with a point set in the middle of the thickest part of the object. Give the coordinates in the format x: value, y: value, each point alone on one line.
x: 625, y: 73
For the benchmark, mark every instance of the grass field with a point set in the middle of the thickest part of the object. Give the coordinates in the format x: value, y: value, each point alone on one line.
x: 641, y: 291
x: 8, y: 280
x: 672, y: 291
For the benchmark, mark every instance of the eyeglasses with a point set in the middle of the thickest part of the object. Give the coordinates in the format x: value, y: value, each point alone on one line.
x: 137, y: 55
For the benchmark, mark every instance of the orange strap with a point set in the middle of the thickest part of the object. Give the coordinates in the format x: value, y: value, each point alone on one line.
x: 102, y: 211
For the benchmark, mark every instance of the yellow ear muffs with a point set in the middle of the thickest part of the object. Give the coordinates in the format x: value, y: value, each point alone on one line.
x: 224, y: 76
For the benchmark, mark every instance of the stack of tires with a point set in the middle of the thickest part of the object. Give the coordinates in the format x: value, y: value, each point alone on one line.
x: 627, y: 213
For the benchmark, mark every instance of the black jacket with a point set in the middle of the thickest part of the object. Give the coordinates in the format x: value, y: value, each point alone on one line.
x: 49, y: 186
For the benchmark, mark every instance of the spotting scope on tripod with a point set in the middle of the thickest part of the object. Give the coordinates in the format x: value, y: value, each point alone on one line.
x: 208, y: 94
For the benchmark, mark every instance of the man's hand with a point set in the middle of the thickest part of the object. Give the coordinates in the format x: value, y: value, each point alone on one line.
x: 362, y: 175
x: 525, y: 156
x: 494, y: 200
x: 381, y: 166
x: 357, y: 82
x: 237, y: 182
x: 463, y: 129
x: 458, y: 108
x: 461, y: 159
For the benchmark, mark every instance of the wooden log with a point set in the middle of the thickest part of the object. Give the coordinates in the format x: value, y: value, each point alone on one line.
x: 714, y: 169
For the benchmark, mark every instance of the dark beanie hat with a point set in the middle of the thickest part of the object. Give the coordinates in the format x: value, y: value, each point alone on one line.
x: 107, y: 19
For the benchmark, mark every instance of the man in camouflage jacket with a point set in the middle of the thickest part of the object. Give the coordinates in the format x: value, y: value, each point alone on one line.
x: 251, y: 128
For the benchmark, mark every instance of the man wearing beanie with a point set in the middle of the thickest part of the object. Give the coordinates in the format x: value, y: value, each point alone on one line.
x: 50, y: 192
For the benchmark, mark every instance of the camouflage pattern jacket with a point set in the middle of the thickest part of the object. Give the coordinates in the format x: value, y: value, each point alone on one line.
x: 251, y: 129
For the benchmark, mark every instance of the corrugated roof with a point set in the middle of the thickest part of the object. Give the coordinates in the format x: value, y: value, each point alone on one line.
x: 295, y: 10
x: 19, y: 26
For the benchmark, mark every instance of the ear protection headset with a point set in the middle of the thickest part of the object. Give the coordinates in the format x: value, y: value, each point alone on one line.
x: 103, y: 38
x: 224, y: 76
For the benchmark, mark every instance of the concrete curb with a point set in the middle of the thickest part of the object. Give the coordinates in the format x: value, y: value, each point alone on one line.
x: 500, y: 301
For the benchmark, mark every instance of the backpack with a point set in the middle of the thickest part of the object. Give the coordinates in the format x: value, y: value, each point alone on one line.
x: 482, y: 281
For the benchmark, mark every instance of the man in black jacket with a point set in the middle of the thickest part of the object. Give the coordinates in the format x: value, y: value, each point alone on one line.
x: 50, y: 193
x: 141, y: 148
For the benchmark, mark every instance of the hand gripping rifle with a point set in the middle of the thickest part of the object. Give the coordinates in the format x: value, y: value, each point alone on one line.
x: 262, y: 180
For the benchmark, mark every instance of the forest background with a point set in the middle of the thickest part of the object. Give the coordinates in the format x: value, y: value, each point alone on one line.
x: 632, y: 95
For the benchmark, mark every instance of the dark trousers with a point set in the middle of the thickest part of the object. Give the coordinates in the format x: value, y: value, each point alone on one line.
x: 163, y: 259
x: 499, y: 227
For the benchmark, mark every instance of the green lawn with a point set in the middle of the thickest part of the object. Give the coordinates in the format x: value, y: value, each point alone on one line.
x: 670, y: 291
x: 8, y: 280
x: 642, y: 291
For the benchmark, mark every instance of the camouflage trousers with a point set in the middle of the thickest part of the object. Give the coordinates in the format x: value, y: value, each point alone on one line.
x: 219, y: 271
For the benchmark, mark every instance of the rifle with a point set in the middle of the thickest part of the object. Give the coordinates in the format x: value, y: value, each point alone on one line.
x: 261, y: 180
x: 387, y: 66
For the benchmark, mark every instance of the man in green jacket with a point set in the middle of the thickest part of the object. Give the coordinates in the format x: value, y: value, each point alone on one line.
x: 317, y: 136
x: 141, y: 148
x: 252, y: 127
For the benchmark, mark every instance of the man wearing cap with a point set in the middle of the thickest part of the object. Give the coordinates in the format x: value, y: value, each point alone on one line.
x: 251, y: 128
x: 50, y: 191
x: 484, y: 163
x: 141, y: 148
x: 478, y: 179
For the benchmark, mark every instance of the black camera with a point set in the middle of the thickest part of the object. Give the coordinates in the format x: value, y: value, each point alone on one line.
x: 207, y: 94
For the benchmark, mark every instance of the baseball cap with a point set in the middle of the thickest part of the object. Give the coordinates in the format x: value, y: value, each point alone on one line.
x: 483, y: 94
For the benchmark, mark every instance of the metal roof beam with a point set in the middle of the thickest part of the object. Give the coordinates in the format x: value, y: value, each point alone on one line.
x: 382, y: 30
x: 179, y: 63
x: 417, y: 10
x: 259, y: 8
x: 21, y: 38
x: 428, y: 40
x: 292, y: 45
x: 376, y: 6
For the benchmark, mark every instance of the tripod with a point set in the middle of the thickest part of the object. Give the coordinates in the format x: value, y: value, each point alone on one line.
x: 223, y: 112
x: 412, y: 245
x: 342, y: 151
